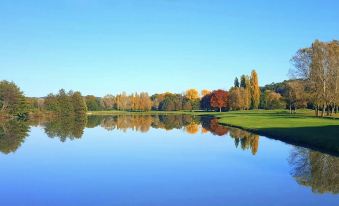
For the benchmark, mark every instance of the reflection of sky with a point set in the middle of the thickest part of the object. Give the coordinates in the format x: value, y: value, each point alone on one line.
x: 154, y: 168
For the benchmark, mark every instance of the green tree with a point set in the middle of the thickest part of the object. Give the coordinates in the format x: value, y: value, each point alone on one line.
x: 12, y: 99
x: 93, y: 103
x: 236, y: 82
x: 79, y: 104
x: 243, y: 81
x: 51, y: 103
x: 65, y: 103
x: 12, y: 135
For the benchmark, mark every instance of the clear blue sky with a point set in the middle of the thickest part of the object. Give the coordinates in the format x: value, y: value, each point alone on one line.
x: 101, y: 47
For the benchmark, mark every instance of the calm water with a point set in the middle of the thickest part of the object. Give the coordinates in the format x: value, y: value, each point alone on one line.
x: 157, y: 160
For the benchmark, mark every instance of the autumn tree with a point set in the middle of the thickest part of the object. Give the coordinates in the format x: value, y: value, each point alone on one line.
x: 191, y: 100
x: 320, y: 74
x: 255, y: 90
x: 236, y: 98
x: 246, y: 92
x: 122, y: 101
x: 108, y: 102
x: 205, y: 92
x: 273, y: 100
x: 333, y: 63
x: 318, y: 67
x: 145, y: 101
x: 219, y: 99
x: 192, y: 94
x: 294, y: 95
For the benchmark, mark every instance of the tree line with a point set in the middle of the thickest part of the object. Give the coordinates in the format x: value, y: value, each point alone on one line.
x: 314, y: 84
x: 244, y: 95
x: 317, y: 72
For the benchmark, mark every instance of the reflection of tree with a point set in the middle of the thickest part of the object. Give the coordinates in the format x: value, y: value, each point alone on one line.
x: 246, y: 139
x: 192, y: 128
x: 212, y: 125
x: 66, y: 127
x: 170, y: 122
x: 94, y: 121
x: 204, y: 131
x: 143, y: 123
x: 316, y: 170
x: 140, y: 123
x: 12, y: 135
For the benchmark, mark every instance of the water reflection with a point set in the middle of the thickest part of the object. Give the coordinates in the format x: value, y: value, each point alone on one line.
x: 316, y: 170
x: 65, y: 128
x: 211, y: 125
x: 247, y: 140
x: 309, y: 168
x: 143, y: 123
x: 12, y: 135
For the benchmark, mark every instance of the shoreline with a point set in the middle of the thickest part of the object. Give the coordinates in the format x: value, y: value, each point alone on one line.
x: 300, y: 129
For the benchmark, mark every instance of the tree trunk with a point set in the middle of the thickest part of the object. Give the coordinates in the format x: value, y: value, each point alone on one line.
x: 290, y: 109
x: 219, y: 109
x: 317, y: 111
x: 323, y: 111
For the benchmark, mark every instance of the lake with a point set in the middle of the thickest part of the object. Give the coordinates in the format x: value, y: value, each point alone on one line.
x: 157, y: 160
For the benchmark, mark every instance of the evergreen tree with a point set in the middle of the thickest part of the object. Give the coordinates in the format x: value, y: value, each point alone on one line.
x: 243, y: 81
x: 236, y: 82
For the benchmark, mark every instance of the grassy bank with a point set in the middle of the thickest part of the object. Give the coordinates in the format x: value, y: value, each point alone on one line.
x: 300, y: 129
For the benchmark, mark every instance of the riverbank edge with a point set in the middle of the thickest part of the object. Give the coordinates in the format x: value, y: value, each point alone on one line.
x: 224, y: 117
x: 294, y: 140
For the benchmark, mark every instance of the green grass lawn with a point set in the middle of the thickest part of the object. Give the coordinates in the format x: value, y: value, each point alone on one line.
x: 301, y: 128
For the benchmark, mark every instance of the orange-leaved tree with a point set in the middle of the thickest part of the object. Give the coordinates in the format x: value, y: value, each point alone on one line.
x: 219, y: 99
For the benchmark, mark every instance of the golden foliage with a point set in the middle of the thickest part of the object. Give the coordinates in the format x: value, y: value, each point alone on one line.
x: 192, y: 94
